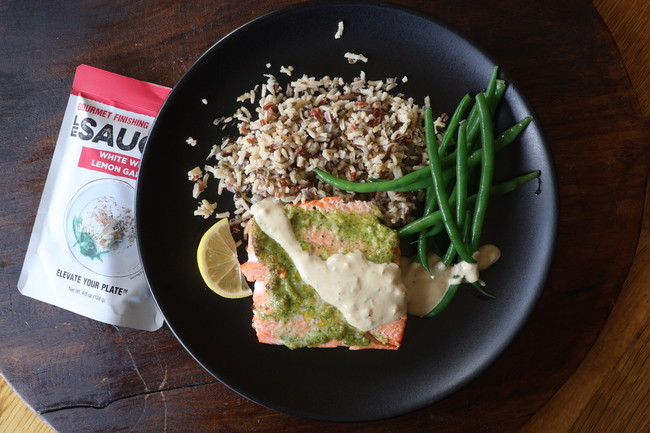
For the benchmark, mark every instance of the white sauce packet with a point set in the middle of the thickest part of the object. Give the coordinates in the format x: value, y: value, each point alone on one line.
x: 82, y: 255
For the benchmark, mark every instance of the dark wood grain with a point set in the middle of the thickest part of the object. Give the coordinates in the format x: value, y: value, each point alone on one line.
x: 86, y: 376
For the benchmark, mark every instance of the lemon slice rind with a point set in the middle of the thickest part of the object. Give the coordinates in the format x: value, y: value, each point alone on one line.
x: 218, y: 264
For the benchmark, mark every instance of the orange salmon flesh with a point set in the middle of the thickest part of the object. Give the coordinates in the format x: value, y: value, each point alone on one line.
x: 322, y: 242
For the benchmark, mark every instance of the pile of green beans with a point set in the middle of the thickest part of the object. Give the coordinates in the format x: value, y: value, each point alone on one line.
x: 458, y: 181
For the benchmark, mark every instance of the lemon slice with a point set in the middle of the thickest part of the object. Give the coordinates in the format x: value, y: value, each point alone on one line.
x: 218, y: 262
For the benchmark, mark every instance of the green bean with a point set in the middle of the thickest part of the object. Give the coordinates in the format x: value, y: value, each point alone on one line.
x: 494, y: 93
x: 423, y: 250
x: 421, y: 178
x: 466, y: 227
x: 490, y: 91
x: 487, y: 171
x: 444, y: 302
x: 503, y: 140
x: 472, y: 125
x: 448, y: 204
x: 492, y: 98
x: 511, y: 134
x: 365, y: 187
x: 498, y: 95
x: 453, y: 124
x: 479, y: 288
x: 439, y: 187
x: 461, y: 174
x: 414, y: 186
x: 420, y: 224
x: 460, y: 188
x: 500, y: 142
x: 436, y: 226
x: 423, y: 240
x: 451, y: 251
x: 422, y: 181
x: 509, y: 185
x: 449, y: 255
x: 451, y: 291
x: 447, y: 174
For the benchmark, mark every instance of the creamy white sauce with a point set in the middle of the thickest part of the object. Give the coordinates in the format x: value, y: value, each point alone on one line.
x: 368, y: 294
x: 424, y: 290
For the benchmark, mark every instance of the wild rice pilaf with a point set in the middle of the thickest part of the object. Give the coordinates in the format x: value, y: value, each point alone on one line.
x: 356, y: 130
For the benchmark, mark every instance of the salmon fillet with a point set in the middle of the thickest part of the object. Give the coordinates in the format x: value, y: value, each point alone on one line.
x: 286, y: 311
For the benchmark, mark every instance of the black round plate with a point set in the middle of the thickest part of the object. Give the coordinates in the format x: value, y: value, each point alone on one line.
x: 438, y: 355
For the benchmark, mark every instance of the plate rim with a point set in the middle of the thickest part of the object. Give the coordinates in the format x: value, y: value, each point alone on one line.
x: 550, y: 182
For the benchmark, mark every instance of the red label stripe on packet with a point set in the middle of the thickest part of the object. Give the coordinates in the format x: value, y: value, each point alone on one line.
x: 109, y: 162
x: 119, y: 91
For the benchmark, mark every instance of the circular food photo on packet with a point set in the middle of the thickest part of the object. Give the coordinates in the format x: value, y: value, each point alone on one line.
x: 100, y: 228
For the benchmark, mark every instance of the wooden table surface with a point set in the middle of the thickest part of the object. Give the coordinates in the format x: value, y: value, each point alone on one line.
x: 580, y: 364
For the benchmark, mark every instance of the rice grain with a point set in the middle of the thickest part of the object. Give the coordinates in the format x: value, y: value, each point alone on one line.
x: 358, y: 131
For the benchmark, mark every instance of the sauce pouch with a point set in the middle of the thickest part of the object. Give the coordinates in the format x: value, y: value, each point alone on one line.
x: 82, y: 255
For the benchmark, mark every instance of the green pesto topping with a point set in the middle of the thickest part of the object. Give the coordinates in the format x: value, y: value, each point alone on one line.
x: 323, y: 233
